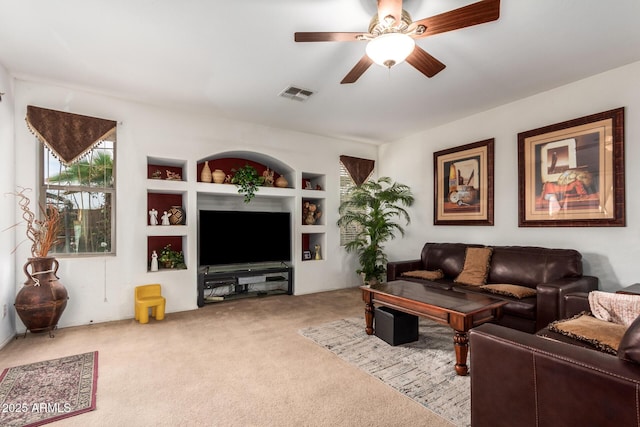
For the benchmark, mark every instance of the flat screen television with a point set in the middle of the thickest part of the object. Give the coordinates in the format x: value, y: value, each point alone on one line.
x: 239, y: 237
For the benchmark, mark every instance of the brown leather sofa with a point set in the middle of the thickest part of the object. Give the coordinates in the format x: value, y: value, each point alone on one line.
x: 519, y: 379
x: 553, y: 273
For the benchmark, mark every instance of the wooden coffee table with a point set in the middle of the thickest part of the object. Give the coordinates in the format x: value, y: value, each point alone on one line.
x: 458, y: 310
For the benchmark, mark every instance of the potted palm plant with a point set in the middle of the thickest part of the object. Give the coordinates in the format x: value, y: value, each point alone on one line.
x: 373, y: 208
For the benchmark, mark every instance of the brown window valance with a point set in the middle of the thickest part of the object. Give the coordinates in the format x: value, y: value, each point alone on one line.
x: 359, y: 169
x: 69, y: 136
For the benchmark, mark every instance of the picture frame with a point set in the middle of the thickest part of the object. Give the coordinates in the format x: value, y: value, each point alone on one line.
x: 463, y: 184
x: 571, y: 174
x: 306, y: 255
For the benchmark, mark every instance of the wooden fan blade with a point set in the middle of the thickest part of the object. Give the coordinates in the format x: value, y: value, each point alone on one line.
x: 425, y: 63
x: 390, y: 7
x: 467, y: 16
x: 358, y: 70
x: 327, y: 37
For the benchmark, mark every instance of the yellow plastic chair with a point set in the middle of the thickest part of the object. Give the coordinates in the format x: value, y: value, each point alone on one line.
x: 149, y: 297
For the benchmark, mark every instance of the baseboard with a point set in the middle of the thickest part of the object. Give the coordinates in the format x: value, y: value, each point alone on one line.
x: 7, y: 341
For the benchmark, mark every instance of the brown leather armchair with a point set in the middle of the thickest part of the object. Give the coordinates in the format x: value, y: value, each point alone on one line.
x: 519, y: 379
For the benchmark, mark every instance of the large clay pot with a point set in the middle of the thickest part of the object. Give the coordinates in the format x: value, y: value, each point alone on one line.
x: 43, y: 298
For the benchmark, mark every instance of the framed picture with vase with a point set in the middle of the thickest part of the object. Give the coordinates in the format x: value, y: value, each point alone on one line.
x: 463, y: 184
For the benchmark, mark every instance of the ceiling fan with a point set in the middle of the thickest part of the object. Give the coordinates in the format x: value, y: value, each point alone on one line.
x: 392, y: 34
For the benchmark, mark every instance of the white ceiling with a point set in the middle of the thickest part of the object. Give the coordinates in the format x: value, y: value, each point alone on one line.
x: 233, y: 58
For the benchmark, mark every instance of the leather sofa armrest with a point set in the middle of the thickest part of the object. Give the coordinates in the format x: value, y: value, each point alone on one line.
x: 396, y: 268
x: 575, y: 303
x: 525, y: 380
x: 631, y: 290
x: 550, y: 303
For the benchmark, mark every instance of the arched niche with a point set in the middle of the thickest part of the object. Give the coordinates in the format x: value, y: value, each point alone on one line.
x: 229, y: 160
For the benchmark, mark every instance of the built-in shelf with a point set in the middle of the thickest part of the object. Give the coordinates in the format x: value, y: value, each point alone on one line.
x: 313, y: 245
x: 162, y: 169
x: 167, y: 230
x: 192, y: 192
x: 157, y: 243
x: 276, y: 173
x: 313, y: 217
x: 163, y: 202
x: 313, y: 182
x: 231, y: 189
x: 164, y: 194
x: 312, y: 211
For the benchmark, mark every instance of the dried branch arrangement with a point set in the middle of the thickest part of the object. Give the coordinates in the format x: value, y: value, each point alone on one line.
x: 42, y: 232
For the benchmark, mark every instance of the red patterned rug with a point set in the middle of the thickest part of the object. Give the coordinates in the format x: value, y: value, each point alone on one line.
x: 43, y: 392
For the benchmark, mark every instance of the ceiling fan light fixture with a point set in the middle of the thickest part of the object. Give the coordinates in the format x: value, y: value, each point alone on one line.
x: 390, y: 49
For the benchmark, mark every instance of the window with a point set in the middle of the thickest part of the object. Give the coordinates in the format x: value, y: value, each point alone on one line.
x: 347, y: 233
x: 84, y: 193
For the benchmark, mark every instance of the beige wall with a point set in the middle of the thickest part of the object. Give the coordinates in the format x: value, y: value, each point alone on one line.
x: 101, y: 288
x: 610, y: 253
x: 8, y: 218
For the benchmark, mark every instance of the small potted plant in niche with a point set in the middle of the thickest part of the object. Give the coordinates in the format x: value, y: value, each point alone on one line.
x: 248, y: 180
x: 171, y: 259
x: 372, y: 208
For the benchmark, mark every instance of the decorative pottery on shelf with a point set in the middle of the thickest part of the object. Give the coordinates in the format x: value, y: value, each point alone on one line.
x: 178, y: 215
x: 218, y: 176
x: 42, y: 299
x: 205, y: 175
x: 282, y: 182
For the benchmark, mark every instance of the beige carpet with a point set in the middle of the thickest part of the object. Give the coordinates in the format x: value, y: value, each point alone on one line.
x: 237, y: 363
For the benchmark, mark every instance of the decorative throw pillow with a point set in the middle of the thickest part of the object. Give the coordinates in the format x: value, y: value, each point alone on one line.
x: 424, y: 274
x: 618, y: 308
x: 605, y: 336
x: 515, y: 291
x: 476, y: 267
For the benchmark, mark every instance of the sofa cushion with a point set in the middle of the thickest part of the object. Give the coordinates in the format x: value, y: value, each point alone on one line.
x: 617, y: 308
x: 605, y: 336
x: 510, y: 290
x: 424, y: 274
x: 629, y: 348
x: 476, y: 267
x: 525, y: 308
x: 448, y: 257
x: 530, y: 265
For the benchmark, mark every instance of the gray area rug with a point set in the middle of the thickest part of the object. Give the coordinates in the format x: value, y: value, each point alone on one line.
x: 422, y: 370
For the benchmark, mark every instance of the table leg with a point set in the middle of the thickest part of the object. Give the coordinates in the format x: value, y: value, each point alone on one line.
x: 461, y: 345
x: 368, y: 312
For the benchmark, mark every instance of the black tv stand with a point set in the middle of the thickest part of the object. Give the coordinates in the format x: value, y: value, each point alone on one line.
x: 234, y: 282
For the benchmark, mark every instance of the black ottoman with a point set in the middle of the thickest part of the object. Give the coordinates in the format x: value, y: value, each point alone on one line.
x: 395, y: 327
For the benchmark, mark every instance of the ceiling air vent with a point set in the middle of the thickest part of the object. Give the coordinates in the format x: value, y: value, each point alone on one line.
x: 296, y: 93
